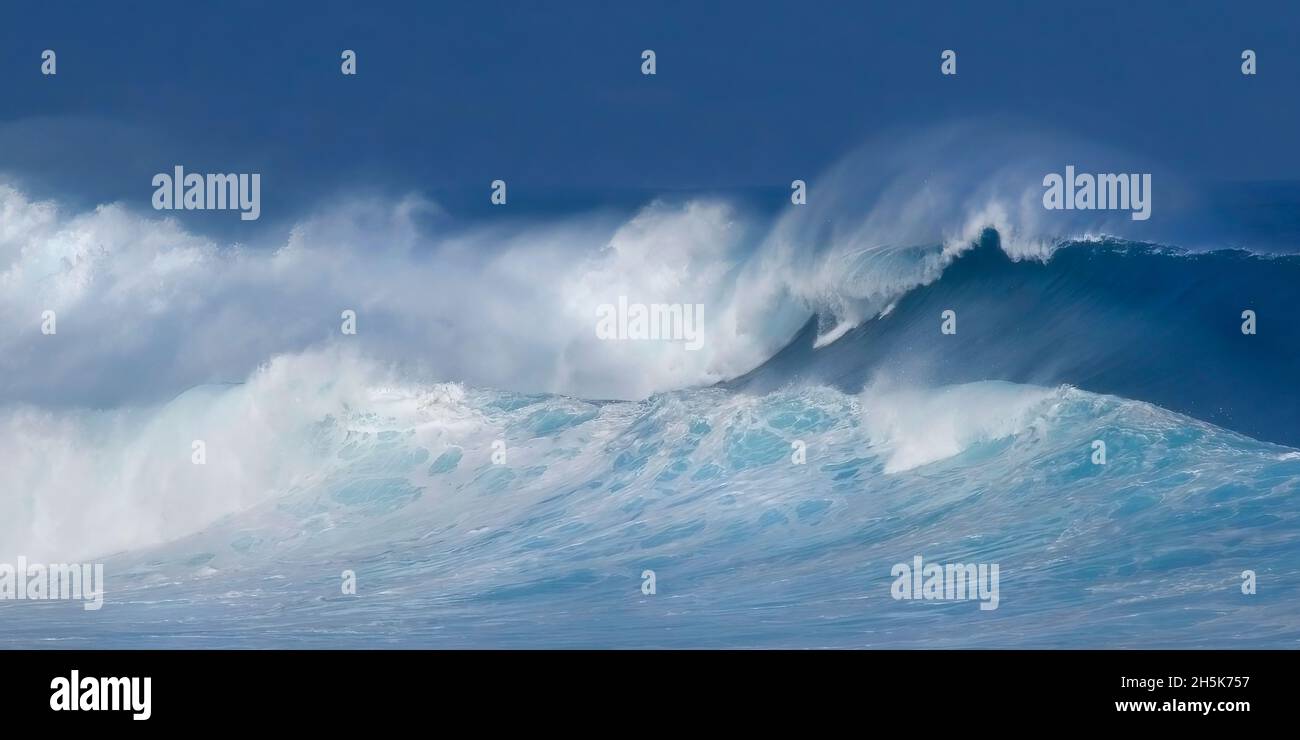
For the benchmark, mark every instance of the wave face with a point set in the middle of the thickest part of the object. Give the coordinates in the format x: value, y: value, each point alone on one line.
x: 1109, y: 316
x: 396, y: 482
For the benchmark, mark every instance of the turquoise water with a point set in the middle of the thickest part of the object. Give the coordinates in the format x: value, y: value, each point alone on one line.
x: 548, y: 546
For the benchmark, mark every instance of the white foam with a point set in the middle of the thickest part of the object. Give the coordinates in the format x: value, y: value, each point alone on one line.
x: 913, y: 427
x: 500, y: 306
x: 86, y: 483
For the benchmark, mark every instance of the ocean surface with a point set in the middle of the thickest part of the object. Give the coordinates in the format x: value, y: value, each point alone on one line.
x: 975, y: 447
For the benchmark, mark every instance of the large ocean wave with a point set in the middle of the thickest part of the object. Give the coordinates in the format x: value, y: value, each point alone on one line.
x: 374, y: 453
x: 1140, y: 321
x: 397, y: 483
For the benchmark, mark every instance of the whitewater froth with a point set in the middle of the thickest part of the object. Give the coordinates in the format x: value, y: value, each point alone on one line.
x: 147, y: 309
x: 395, y: 479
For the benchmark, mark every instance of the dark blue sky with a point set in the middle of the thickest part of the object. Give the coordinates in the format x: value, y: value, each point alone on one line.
x: 549, y: 96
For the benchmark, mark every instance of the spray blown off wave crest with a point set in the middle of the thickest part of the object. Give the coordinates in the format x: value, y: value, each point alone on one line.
x: 1177, y: 329
x: 146, y: 309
